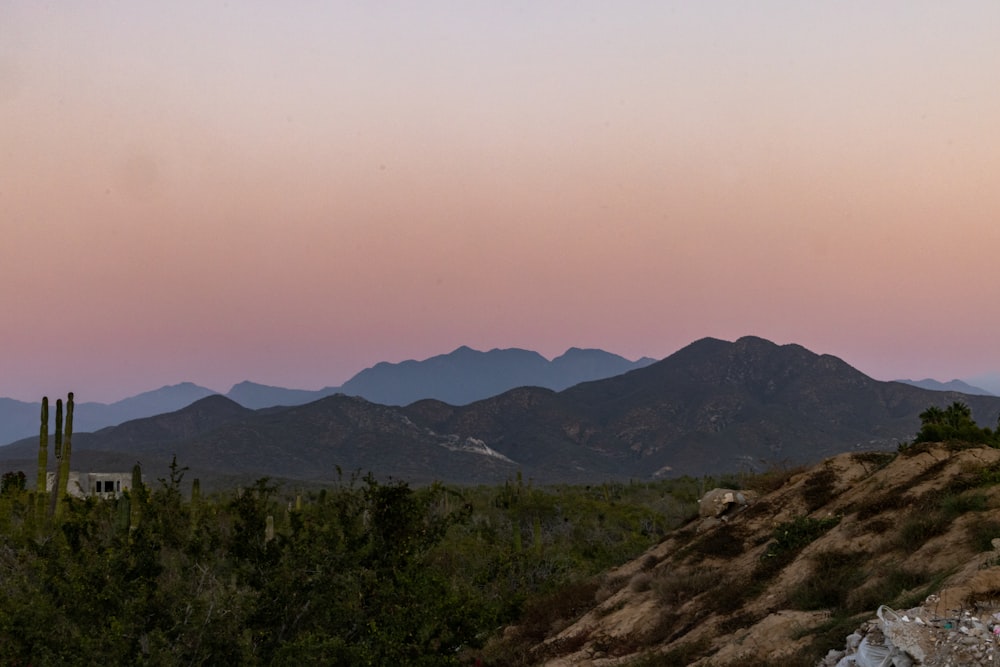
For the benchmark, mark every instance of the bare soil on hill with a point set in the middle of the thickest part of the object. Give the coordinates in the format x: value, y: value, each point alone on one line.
x: 786, y: 578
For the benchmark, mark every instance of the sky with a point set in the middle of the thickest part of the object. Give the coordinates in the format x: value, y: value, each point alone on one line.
x: 289, y: 193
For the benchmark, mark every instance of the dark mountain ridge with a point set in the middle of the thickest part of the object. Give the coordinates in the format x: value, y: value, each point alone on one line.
x: 460, y: 377
x: 712, y: 407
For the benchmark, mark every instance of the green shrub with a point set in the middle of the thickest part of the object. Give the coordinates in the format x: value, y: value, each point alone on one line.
x: 819, y: 489
x: 724, y: 541
x: 954, y: 506
x: 982, y: 532
x: 874, y: 461
x: 919, y: 527
x: 675, y: 588
x: 680, y: 656
x: 788, y: 540
x: 875, y: 504
x: 835, y: 575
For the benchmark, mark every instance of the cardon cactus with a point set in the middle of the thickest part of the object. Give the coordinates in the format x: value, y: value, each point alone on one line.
x: 59, y: 426
x: 123, y: 519
x: 66, y: 449
x: 137, y: 494
x: 43, y: 455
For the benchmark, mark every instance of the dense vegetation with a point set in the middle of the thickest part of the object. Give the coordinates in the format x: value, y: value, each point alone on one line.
x: 954, y: 424
x: 363, y: 573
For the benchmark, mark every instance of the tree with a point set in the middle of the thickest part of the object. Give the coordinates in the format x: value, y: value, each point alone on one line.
x: 12, y: 482
x: 954, y: 423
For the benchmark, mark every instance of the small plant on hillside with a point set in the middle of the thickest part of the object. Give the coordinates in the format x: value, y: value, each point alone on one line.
x: 894, y: 585
x: 788, y: 540
x: 819, y: 488
x: 680, y: 656
x: 640, y: 582
x: 982, y: 532
x: 674, y: 587
x: 834, y: 577
x: 725, y: 541
x: 772, y: 479
x: 873, y: 504
x: 874, y: 461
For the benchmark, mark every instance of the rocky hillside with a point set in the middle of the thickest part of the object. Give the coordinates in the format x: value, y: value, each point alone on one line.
x: 807, y: 561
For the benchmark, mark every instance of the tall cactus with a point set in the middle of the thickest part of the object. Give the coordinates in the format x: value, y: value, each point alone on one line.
x: 59, y: 427
x: 67, y: 448
x: 137, y: 495
x: 123, y: 518
x: 43, y: 457
x: 55, y: 495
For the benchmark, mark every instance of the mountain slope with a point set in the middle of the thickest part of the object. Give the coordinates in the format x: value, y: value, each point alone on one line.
x: 712, y: 407
x: 785, y: 579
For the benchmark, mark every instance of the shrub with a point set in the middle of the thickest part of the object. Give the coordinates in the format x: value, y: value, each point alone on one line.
x: 819, y: 489
x: 917, y: 528
x: 738, y: 622
x: 788, y: 540
x: 834, y: 577
x: 680, y: 656
x: 640, y: 582
x: 724, y: 541
x: 676, y: 588
x: 982, y: 532
x: 886, y: 587
x: 956, y: 505
x: 565, y: 603
x: 772, y: 480
x: 876, y: 460
x: 876, y: 504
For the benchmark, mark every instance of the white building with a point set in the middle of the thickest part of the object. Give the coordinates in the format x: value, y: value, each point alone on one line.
x: 100, y: 484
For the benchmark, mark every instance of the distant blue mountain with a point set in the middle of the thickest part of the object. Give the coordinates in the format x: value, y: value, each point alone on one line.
x: 988, y: 381
x: 255, y: 396
x: 952, y: 385
x: 460, y: 377
x: 466, y: 375
x: 19, y: 419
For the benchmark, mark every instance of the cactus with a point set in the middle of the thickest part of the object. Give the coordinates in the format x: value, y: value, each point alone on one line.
x: 123, y: 519
x: 54, y: 493
x: 137, y: 493
x: 269, y: 528
x: 67, y: 448
x: 43, y: 456
x: 59, y: 427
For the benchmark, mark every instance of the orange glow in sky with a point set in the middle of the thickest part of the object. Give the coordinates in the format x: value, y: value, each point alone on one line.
x: 214, y: 192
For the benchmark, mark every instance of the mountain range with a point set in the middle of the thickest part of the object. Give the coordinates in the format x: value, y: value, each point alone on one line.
x: 952, y: 385
x: 460, y: 377
x: 713, y: 406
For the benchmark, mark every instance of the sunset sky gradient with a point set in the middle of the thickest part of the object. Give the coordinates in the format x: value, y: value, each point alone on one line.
x: 221, y: 191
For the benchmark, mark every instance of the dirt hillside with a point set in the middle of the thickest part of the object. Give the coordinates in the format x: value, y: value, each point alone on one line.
x: 783, y: 577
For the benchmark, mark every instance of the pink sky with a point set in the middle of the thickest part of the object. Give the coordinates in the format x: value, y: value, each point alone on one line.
x: 214, y: 192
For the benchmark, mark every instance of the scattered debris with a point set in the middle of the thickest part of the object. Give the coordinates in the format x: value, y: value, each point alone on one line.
x: 919, y: 637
